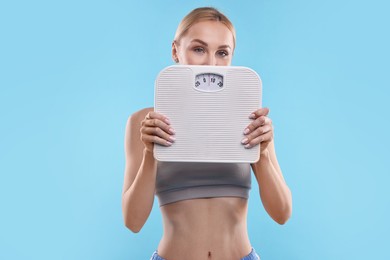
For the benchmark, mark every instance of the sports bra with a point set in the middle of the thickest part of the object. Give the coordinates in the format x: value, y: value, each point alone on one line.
x: 178, y: 181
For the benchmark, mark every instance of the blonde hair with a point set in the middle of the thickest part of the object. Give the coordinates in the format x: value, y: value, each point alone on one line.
x: 203, y: 14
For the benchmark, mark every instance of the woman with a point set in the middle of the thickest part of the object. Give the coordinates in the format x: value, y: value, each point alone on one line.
x: 204, y: 205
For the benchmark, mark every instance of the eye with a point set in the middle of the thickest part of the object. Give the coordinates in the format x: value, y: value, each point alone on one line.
x: 199, y: 50
x: 223, y: 53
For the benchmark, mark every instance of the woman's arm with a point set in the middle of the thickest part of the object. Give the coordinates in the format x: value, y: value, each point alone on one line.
x: 274, y: 192
x: 143, y: 129
x: 140, y: 176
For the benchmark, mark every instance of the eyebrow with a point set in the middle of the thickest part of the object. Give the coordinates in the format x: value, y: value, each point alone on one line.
x: 205, y: 44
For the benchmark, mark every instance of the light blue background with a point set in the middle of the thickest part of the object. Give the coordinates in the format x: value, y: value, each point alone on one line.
x: 71, y: 72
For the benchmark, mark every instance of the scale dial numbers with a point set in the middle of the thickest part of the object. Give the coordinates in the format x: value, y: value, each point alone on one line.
x: 209, y: 81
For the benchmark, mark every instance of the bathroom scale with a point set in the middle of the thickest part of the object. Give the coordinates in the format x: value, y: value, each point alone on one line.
x: 209, y: 108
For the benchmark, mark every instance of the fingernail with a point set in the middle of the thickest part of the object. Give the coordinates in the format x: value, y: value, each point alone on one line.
x: 252, y: 116
x: 172, y: 138
x: 244, y: 141
x: 246, y: 131
x: 167, y: 120
x: 172, y: 131
x: 168, y: 143
x: 247, y: 145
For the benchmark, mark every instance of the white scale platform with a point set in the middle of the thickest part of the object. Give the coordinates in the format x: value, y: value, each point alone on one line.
x: 209, y: 108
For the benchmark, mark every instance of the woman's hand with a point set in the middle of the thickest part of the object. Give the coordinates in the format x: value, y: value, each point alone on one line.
x: 155, y: 128
x: 260, y: 131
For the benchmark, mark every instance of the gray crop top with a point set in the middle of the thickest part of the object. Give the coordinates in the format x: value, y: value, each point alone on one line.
x: 189, y: 180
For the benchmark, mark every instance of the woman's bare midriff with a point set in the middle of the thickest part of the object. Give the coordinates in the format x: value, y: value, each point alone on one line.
x: 212, y: 228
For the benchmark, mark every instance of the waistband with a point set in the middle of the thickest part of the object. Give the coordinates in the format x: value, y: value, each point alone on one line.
x: 252, y: 256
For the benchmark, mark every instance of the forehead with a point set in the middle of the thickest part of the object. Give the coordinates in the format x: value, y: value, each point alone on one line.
x: 211, y: 32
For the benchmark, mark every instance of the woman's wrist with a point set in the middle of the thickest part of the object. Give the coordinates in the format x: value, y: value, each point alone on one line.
x: 264, y: 152
x: 148, y: 152
x: 148, y: 160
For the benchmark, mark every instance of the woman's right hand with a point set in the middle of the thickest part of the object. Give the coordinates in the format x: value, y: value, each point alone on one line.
x: 155, y: 128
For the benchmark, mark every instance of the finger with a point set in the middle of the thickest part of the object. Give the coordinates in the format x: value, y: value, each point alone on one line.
x: 259, y: 112
x: 256, y: 133
x: 155, y: 139
x: 158, y: 123
x: 259, y: 131
x: 267, y: 137
x: 261, y: 121
x: 155, y: 115
x: 158, y: 132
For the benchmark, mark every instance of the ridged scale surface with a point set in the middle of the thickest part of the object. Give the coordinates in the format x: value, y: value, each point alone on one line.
x: 209, y: 125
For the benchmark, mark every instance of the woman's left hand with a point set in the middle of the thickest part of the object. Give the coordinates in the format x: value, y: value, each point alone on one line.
x: 260, y: 131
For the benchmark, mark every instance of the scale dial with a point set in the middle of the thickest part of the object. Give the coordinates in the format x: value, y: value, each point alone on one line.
x: 209, y: 81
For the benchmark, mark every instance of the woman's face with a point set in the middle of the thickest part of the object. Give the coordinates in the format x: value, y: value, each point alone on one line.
x: 205, y: 43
